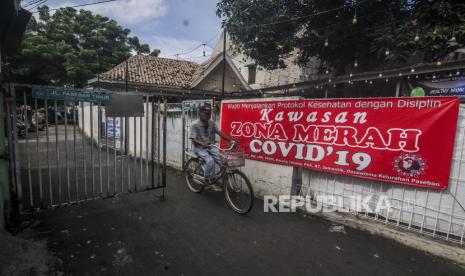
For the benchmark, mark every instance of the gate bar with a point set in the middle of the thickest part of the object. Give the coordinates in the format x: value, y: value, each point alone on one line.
x: 108, y: 154
x: 28, y: 158
x: 115, y: 180
x: 83, y: 138
x: 146, y: 116
x: 128, y: 158
x: 99, y: 137
x: 57, y: 153
x: 152, y: 137
x: 66, y: 150
x: 147, y: 142
x: 134, y: 159
x: 183, y: 118
x: 121, y: 139
x: 92, y: 146
x: 158, y: 145
x: 140, y: 152
x: 165, y: 115
x: 38, y: 156
x: 76, y: 183
x: 48, y: 154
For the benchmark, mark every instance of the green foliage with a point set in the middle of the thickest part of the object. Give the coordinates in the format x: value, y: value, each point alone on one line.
x: 381, y: 25
x: 155, y: 52
x: 70, y: 47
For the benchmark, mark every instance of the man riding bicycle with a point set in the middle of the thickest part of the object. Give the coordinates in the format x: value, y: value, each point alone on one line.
x: 202, y: 135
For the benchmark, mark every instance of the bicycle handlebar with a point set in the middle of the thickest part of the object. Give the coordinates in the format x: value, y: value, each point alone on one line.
x: 231, y: 147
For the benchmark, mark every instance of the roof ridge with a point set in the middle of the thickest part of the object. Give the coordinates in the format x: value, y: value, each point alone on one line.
x: 164, y: 58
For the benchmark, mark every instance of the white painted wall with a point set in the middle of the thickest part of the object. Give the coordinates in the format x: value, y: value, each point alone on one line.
x: 174, y: 149
x: 84, y: 115
x: 139, y: 132
x: 267, y: 178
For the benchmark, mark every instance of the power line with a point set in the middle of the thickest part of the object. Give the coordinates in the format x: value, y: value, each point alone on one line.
x: 83, y: 5
x: 34, y: 5
x: 30, y: 3
x: 198, y: 46
x: 189, y: 51
x: 188, y: 58
x: 218, y: 32
x: 301, y: 17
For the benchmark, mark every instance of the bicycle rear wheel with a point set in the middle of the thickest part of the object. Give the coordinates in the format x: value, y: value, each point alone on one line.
x: 238, y: 192
x: 193, y: 171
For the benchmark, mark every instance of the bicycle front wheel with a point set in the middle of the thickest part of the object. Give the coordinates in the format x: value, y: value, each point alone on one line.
x: 238, y: 192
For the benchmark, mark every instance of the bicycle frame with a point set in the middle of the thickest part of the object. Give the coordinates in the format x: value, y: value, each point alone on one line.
x: 224, y: 169
x: 220, y: 174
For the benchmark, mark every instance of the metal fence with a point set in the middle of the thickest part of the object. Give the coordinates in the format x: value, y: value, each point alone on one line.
x: 65, y: 152
x: 440, y: 214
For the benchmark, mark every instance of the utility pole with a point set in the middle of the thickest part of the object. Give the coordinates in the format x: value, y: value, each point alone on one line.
x: 224, y: 62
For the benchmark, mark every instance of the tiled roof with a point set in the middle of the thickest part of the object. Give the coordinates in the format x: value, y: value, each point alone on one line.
x: 155, y: 71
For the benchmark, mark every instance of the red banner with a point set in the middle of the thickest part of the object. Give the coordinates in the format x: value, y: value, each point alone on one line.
x: 401, y: 140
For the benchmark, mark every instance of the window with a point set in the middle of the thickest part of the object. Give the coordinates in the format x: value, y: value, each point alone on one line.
x: 252, y: 73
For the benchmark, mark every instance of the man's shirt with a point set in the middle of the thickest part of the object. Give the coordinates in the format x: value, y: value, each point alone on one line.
x: 204, y: 132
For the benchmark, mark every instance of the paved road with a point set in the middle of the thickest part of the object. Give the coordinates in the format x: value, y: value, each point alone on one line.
x: 197, y: 234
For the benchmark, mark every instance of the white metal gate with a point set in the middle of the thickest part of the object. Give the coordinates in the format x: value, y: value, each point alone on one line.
x: 68, y: 151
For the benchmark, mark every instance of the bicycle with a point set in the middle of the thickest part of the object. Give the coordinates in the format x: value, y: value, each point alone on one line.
x: 237, y: 188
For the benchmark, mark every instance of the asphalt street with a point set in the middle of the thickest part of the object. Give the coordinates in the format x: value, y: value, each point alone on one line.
x: 198, y: 234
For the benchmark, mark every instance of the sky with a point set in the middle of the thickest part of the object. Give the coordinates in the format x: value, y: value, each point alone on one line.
x: 173, y: 26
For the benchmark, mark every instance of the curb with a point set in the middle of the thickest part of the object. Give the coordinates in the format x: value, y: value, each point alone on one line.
x: 407, y: 238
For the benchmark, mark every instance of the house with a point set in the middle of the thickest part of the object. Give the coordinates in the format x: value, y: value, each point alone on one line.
x: 172, y: 77
x: 258, y: 77
x: 244, y: 78
x: 310, y: 81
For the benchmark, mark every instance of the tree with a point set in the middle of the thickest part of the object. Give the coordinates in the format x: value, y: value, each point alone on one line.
x: 376, y: 34
x: 137, y: 47
x: 70, y: 47
x: 155, y: 53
